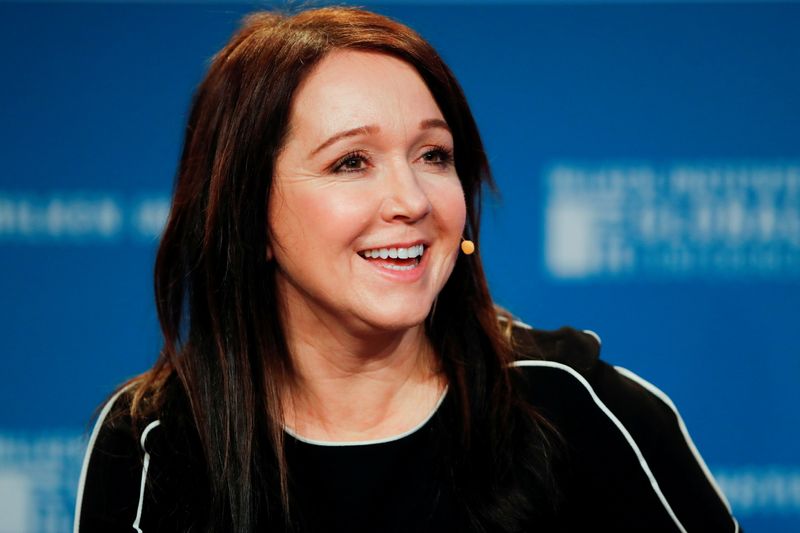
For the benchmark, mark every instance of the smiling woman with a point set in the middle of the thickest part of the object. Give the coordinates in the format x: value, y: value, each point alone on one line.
x: 331, y: 361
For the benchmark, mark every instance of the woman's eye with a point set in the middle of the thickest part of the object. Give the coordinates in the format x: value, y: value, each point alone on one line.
x: 351, y: 163
x: 438, y: 156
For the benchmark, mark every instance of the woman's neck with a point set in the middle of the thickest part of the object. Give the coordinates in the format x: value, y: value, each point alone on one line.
x: 365, y: 388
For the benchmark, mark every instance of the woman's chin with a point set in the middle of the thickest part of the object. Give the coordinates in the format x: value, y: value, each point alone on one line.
x: 397, y: 321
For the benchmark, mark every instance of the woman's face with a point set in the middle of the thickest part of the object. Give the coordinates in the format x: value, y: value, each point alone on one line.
x: 364, y: 184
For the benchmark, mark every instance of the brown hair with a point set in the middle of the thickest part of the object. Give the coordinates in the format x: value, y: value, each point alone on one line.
x: 215, y: 290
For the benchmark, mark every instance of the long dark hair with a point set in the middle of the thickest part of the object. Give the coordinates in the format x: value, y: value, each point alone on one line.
x: 215, y: 289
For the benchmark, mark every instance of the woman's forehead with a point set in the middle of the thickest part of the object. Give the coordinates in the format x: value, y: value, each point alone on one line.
x: 352, y: 89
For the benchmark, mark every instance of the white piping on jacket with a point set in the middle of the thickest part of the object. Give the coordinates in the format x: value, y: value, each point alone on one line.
x: 88, y: 455
x: 523, y: 325
x: 145, y: 466
x: 632, y: 443
x: 595, y: 335
x: 658, y: 393
x: 518, y: 323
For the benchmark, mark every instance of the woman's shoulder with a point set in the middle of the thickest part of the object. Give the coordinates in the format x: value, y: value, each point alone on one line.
x: 127, y: 421
x: 572, y: 356
x: 133, y: 465
x: 111, y: 468
x: 625, y: 432
x: 579, y: 350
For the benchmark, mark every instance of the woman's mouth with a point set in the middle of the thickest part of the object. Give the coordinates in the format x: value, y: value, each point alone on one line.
x: 395, y: 258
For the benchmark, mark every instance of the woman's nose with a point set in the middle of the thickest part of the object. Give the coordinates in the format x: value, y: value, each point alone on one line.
x: 405, y: 199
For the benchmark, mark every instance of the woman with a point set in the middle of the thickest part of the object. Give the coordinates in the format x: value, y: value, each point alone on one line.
x: 332, y: 360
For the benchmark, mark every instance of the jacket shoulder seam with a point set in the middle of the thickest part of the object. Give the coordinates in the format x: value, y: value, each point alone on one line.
x: 666, y: 400
x: 145, y: 467
x: 617, y: 423
x: 101, y: 418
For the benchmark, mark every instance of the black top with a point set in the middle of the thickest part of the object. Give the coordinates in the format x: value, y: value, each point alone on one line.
x: 387, y: 485
x: 630, y: 464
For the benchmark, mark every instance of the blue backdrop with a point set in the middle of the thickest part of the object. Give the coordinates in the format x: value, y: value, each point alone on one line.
x: 649, y: 167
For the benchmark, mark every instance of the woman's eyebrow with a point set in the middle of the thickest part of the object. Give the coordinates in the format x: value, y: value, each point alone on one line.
x: 361, y: 130
x: 371, y: 129
x: 434, y: 123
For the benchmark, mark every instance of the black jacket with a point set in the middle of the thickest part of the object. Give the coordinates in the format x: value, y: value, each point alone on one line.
x: 632, y: 465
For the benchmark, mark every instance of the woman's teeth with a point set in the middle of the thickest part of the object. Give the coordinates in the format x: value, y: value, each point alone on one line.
x: 395, y: 253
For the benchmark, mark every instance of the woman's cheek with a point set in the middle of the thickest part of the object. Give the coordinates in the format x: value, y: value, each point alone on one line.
x: 341, y: 212
x: 449, y: 195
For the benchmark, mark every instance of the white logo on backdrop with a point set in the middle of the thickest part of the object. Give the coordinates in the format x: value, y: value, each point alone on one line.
x: 680, y: 220
x: 80, y: 217
x: 38, y: 482
x: 761, y: 490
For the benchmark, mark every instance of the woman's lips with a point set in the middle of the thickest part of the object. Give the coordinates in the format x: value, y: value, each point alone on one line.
x: 399, y: 268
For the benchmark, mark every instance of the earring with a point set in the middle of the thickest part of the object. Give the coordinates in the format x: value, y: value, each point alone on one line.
x: 467, y: 246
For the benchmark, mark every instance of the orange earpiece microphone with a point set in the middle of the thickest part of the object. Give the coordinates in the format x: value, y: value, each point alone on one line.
x: 467, y: 246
